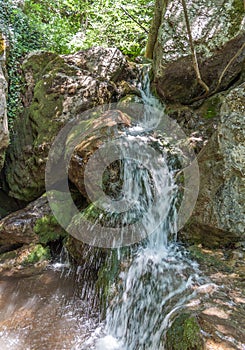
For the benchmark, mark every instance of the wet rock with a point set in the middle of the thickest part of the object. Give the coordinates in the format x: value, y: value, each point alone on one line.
x: 4, y: 133
x: 218, y: 36
x: 106, y: 128
x: 24, y: 261
x: 219, y: 215
x: 219, y: 304
x: 198, y: 122
x: 186, y: 331
x: 58, y: 89
x: 18, y: 227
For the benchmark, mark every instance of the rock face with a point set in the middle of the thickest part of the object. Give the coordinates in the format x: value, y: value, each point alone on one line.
x: 18, y: 227
x: 215, y: 317
x: 105, y: 128
x: 218, y: 37
x: 58, y: 88
x: 4, y: 134
x: 219, y: 216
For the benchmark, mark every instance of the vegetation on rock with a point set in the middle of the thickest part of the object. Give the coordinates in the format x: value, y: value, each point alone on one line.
x: 184, y: 334
x: 37, y: 254
x: 48, y: 229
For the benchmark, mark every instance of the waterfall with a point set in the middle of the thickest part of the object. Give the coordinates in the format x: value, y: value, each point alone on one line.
x: 157, y: 280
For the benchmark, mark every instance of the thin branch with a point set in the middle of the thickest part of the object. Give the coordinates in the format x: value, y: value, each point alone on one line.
x: 221, y: 75
x: 193, y: 51
x: 228, y: 65
x: 133, y: 19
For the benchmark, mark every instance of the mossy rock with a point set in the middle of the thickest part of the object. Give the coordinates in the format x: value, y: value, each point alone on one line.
x: 8, y: 256
x: 211, y: 107
x: 37, y: 254
x: 184, y: 334
x: 49, y: 230
x: 208, y: 259
x: 107, y: 276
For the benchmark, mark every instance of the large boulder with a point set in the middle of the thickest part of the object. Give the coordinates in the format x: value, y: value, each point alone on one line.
x: 4, y: 133
x: 219, y: 215
x: 58, y: 89
x: 106, y: 128
x: 218, y: 37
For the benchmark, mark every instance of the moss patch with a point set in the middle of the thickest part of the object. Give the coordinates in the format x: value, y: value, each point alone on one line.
x: 236, y: 14
x: 37, y: 254
x: 184, y: 334
x: 48, y: 229
x: 2, y: 45
x: 209, y: 258
x: 107, y: 275
x: 211, y: 108
x: 8, y: 256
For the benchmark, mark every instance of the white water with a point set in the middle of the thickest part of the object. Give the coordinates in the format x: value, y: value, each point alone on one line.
x: 52, y: 309
x: 158, y: 280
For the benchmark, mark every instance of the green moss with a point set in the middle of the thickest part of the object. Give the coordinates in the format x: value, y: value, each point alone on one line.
x: 107, y: 275
x: 236, y: 14
x: 8, y: 256
x: 48, y: 229
x: 207, y: 259
x: 210, y: 109
x: 184, y: 334
x: 37, y: 62
x: 37, y: 254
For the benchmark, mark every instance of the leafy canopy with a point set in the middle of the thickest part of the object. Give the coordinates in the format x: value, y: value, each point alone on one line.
x: 71, y: 25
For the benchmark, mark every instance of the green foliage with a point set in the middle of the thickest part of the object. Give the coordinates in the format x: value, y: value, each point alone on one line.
x: 37, y: 254
x: 73, y: 24
x: 48, y: 229
x: 23, y: 37
x: 66, y: 26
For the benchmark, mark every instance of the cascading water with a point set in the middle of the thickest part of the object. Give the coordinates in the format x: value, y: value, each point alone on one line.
x: 157, y: 281
x: 156, y: 275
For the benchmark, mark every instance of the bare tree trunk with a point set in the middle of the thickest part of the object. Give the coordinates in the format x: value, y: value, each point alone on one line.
x: 160, y: 7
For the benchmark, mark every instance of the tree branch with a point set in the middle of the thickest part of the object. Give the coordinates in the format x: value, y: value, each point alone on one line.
x: 160, y: 8
x: 193, y: 51
x: 133, y: 19
x: 228, y: 65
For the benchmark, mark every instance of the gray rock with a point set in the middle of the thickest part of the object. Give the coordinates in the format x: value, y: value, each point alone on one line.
x: 219, y: 215
x: 58, y: 89
x: 18, y: 227
x: 218, y: 35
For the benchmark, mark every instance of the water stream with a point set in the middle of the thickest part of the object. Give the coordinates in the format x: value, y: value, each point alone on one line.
x: 158, y: 281
x: 48, y: 311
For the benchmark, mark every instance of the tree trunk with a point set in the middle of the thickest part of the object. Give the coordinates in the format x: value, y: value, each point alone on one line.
x: 160, y: 7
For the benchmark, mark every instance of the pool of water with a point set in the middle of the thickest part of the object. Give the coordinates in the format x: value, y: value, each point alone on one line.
x: 52, y: 310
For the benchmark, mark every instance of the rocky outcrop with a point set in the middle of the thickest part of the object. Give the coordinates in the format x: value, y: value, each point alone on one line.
x: 58, y: 88
x: 218, y: 37
x: 4, y: 133
x: 18, y: 227
x: 219, y: 215
x: 215, y: 316
x: 106, y: 128
x: 27, y: 235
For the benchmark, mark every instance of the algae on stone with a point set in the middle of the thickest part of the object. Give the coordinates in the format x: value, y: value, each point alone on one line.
x: 184, y: 334
x: 48, y: 229
x: 38, y: 253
